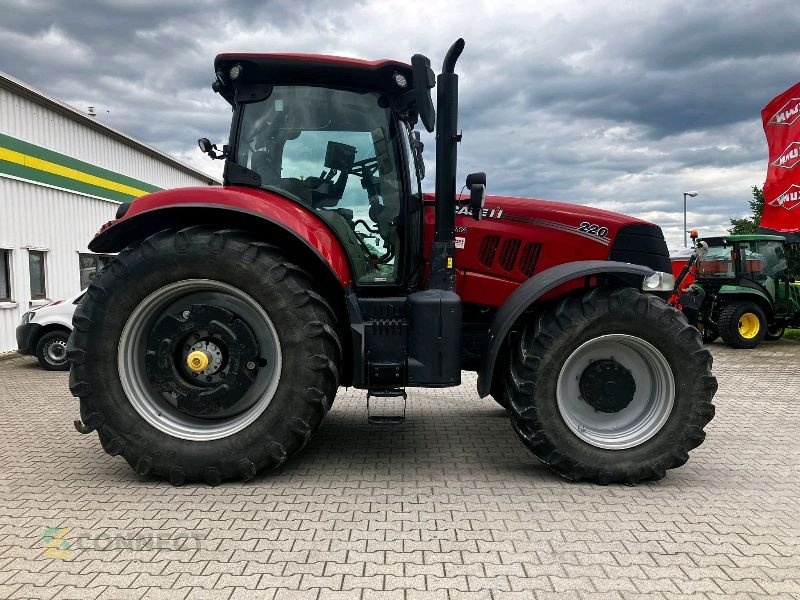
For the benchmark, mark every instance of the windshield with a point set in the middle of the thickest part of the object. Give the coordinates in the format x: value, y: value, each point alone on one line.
x: 717, y: 263
x: 334, y: 151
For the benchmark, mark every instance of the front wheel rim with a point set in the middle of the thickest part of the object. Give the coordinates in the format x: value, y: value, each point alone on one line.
x: 646, y: 413
x: 56, y: 351
x: 151, y: 404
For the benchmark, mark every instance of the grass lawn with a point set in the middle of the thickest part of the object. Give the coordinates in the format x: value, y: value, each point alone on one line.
x: 792, y: 334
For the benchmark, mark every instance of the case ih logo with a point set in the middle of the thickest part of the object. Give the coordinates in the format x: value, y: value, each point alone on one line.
x: 788, y: 114
x: 788, y: 199
x: 789, y: 157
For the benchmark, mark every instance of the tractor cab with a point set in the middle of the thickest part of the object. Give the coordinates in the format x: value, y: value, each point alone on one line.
x: 752, y: 262
x: 747, y: 292
x: 337, y: 137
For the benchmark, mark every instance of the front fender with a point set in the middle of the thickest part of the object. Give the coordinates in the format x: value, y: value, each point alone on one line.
x: 533, y: 289
x: 229, y: 207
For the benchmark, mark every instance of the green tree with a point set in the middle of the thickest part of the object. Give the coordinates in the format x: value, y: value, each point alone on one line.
x: 750, y: 224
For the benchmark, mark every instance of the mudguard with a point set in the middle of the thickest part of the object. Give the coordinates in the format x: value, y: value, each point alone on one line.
x: 228, y: 206
x: 533, y: 289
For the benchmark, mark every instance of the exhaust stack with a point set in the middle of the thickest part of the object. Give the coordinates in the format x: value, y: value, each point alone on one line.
x: 443, y: 275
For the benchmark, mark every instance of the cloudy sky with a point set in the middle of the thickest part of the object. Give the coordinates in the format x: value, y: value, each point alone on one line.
x: 619, y: 104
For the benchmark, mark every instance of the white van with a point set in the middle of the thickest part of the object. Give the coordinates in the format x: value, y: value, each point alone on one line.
x: 44, y: 333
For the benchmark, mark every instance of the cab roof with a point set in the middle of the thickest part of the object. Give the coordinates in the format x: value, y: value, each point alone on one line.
x: 754, y: 237
x: 313, y: 69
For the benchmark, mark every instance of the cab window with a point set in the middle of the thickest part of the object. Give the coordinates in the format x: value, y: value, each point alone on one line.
x: 334, y: 151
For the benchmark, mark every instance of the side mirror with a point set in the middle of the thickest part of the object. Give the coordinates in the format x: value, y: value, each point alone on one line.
x: 424, y: 80
x: 476, y: 182
x: 476, y: 179
x: 208, y: 148
x: 477, y: 195
x: 205, y: 145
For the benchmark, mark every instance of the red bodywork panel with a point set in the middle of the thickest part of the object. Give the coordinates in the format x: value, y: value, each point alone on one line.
x: 516, y: 239
x: 519, y: 237
x: 294, y: 217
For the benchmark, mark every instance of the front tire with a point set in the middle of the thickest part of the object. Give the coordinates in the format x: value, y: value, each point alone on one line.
x: 742, y: 325
x: 51, y: 351
x: 774, y: 333
x: 611, y: 386
x: 264, y: 344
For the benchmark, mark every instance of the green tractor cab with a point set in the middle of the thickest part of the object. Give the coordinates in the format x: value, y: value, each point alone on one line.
x: 742, y: 290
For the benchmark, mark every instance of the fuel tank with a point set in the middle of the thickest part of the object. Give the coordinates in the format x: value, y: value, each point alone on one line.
x: 519, y: 237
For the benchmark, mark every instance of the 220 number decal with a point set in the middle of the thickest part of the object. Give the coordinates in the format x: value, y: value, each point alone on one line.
x: 593, y: 229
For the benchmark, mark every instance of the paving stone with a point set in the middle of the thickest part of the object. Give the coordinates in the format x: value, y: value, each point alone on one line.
x: 449, y: 505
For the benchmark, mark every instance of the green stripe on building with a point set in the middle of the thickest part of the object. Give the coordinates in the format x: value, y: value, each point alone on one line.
x: 52, y: 179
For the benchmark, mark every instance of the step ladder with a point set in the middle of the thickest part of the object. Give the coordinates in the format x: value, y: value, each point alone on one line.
x: 385, y: 417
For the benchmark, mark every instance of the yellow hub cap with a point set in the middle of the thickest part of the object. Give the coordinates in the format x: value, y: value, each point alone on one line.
x: 197, y: 361
x: 749, y: 326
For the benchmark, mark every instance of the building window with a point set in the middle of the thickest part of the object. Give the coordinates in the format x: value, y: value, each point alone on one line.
x: 36, y: 266
x: 5, y: 275
x: 90, y: 266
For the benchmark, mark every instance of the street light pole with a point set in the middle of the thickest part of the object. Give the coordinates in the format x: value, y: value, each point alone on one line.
x: 692, y: 194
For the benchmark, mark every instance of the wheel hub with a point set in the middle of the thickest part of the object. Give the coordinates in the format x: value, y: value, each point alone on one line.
x: 607, y: 386
x: 57, y: 351
x: 749, y: 325
x: 202, y: 359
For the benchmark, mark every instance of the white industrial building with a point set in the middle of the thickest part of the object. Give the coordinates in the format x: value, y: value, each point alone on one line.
x: 62, y: 176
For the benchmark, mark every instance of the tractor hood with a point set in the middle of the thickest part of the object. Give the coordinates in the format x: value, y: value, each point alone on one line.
x: 519, y: 237
x: 564, y: 216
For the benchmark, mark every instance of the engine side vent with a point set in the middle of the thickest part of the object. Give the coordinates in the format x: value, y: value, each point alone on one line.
x: 488, y: 249
x: 508, y: 254
x: 530, y: 256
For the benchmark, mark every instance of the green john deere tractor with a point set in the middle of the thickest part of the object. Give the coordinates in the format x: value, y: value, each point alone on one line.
x: 742, y: 290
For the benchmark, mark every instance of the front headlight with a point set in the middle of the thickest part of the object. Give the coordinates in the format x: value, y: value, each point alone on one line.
x: 659, y: 282
x: 26, y: 318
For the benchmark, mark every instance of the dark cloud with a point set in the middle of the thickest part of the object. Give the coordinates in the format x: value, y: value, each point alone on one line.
x: 623, y: 105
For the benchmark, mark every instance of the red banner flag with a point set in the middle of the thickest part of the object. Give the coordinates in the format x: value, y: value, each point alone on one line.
x: 781, y: 119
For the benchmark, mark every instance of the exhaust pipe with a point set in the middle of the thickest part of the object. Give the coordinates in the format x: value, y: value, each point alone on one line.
x: 443, y: 275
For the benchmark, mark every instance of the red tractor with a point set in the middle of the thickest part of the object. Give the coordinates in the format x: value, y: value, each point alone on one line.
x: 213, y: 346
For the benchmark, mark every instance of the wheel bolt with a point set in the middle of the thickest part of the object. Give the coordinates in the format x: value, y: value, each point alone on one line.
x: 186, y: 314
x: 250, y: 365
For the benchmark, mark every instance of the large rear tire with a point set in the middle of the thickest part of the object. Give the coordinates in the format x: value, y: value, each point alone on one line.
x: 611, y: 386
x: 202, y: 354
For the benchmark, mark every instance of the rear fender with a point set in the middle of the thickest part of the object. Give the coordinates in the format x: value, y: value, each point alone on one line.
x: 269, y: 217
x: 732, y: 293
x: 534, y: 289
x: 250, y: 209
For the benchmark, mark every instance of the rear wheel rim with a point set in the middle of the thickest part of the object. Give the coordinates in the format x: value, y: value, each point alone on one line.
x: 151, y: 404
x: 646, y: 413
x: 749, y: 325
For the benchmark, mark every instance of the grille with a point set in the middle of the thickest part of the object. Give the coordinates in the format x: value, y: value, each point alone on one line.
x: 508, y: 254
x: 488, y: 249
x: 530, y: 256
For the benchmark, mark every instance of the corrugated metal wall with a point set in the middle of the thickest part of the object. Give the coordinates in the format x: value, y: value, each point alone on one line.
x: 37, y: 217
x: 31, y: 122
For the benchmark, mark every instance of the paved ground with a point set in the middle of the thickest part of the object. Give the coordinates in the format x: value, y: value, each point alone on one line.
x: 449, y: 505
